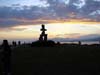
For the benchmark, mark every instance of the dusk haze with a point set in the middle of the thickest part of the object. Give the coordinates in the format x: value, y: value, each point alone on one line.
x: 65, y: 19
x: 49, y: 37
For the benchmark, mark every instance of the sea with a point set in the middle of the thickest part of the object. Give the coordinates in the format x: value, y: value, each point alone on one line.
x: 74, y: 42
x: 82, y: 42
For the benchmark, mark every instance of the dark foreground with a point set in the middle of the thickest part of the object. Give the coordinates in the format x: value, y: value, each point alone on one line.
x: 59, y: 60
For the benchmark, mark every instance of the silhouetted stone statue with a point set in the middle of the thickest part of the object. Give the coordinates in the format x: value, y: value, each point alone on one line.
x: 6, y: 57
x: 43, y: 36
x: 43, y: 39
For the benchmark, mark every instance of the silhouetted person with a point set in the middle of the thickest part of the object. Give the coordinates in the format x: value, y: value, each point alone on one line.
x: 19, y: 42
x: 79, y: 42
x: 58, y: 43
x: 6, y: 57
x: 13, y: 43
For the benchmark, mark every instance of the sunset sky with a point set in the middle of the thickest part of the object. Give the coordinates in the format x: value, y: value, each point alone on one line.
x: 64, y: 19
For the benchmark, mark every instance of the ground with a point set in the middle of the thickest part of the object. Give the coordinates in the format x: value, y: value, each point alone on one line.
x: 59, y: 60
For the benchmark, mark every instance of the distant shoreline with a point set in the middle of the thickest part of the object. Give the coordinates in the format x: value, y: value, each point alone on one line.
x: 69, y: 42
x: 83, y: 42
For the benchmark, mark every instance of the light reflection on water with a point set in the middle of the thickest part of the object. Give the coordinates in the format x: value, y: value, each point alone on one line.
x: 82, y: 42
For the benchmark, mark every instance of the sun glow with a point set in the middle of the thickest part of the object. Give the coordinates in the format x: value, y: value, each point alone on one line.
x: 54, y: 30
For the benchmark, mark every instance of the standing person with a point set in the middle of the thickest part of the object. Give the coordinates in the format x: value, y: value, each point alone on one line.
x: 19, y: 43
x: 6, y: 58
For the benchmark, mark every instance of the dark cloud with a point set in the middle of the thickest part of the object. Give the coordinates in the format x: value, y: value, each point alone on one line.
x: 9, y: 23
x: 90, y: 37
x: 56, y: 9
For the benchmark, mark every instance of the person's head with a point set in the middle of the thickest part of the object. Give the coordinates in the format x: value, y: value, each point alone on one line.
x: 5, y: 42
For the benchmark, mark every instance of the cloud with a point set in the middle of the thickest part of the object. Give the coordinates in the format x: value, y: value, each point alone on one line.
x: 79, y: 4
x: 73, y: 35
x: 11, y: 17
x: 55, y: 10
x: 90, y: 37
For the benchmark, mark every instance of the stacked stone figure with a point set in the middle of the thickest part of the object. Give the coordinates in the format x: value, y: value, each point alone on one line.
x: 43, y: 36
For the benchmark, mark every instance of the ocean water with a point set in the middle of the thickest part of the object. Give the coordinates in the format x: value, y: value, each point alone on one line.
x: 75, y: 42
x: 83, y: 42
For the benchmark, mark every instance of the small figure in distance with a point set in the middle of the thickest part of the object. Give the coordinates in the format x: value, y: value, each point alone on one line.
x: 14, y: 43
x: 79, y: 42
x: 19, y: 43
x: 58, y: 43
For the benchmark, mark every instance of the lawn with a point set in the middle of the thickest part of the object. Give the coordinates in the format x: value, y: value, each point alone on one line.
x: 59, y: 60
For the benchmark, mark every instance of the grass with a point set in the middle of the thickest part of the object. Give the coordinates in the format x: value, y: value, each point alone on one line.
x: 59, y: 60
x: 56, y: 54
